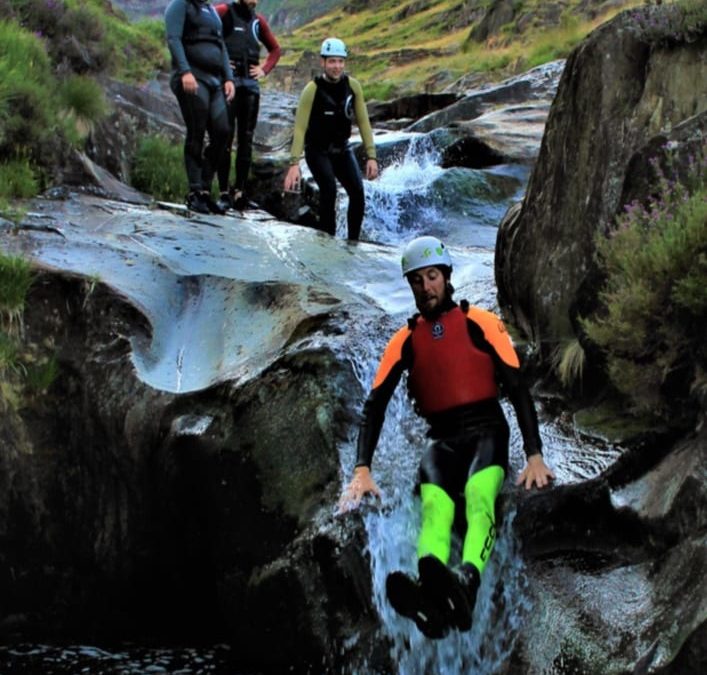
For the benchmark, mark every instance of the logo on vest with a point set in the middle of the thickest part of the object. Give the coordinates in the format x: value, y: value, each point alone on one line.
x: 437, y: 330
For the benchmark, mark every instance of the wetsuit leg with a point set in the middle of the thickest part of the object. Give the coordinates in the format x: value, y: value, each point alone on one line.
x: 319, y: 164
x: 480, y: 492
x: 437, y: 518
x: 347, y: 171
x: 195, y: 111
x: 219, y: 131
x: 442, y: 474
x: 224, y: 168
x: 247, y: 118
x: 485, y: 479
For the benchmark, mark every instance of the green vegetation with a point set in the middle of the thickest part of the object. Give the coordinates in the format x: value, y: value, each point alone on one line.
x: 51, y: 52
x: 82, y: 99
x: 654, y: 301
x: 413, y: 46
x: 25, y: 370
x: 158, y: 169
x: 17, y: 180
x: 84, y: 38
x: 15, y: 280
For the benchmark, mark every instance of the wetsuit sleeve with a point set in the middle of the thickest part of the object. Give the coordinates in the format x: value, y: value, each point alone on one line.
x: 174, y: 17
x: 271, y: 44
x: 509, y: 376
x: 364, y: 124
x: 390, y: 369
x: 304, y: 110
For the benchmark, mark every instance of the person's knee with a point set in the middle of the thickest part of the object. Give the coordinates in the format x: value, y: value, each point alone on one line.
x: 437, y: 520
x: 193, y: 146
x: 482, y: 488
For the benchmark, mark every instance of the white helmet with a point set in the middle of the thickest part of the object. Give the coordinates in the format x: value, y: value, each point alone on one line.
x: 333, y: 47
x: 425, y: 252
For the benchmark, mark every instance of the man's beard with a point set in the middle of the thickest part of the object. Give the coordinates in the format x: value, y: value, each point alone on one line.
x: 444, y: 305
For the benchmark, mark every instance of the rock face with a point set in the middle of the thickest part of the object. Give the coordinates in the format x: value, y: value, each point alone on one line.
x: 615, y: 565
x: 627, y: 84
x: 201, y: 506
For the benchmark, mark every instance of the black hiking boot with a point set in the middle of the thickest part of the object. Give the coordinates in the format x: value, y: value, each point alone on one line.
x: 195, y: 202
x: 225, y: 202
x: 214, y: 207
x: 408, y: 599
x: 241, y: 201
x: 456, y: 588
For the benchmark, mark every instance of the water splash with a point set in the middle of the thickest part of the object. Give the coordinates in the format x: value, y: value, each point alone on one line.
x: 501, y: 606
x: 397, y: 204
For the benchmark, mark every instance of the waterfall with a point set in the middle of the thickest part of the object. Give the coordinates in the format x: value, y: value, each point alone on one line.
x: 392, y: 526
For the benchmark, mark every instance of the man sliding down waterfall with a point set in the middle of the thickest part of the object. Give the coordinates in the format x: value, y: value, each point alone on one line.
x: 459, y: 359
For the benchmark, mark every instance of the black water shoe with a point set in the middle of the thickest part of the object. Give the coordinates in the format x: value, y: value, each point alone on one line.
x: 408, y: 599
x: 225, y: 202
x: 214, y: 207
x: 195, y: 202
x: 456, y: 588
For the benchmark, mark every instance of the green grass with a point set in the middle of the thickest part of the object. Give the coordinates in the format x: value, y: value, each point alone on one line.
x: 383, y: 33
x: 17, y: 180
x: 16, y: 277
x: 38, y: 377
x: 158, y: 169
x: 8, y: 354
x: 25, y: 370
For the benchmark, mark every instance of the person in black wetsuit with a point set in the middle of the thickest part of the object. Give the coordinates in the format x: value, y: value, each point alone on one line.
x: 202, y: 81
x: 244, y: 30
x: 325, y: 112
x: 459, y: 360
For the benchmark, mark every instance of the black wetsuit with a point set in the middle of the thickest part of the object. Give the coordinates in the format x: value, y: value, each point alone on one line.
x: 329, y: 156
x: 244, y: 31
x: 195, y: 41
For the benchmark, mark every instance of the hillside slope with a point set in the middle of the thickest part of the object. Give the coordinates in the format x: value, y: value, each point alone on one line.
x: 402, y: 46
x: 405, y: 46
x: 283, y: 14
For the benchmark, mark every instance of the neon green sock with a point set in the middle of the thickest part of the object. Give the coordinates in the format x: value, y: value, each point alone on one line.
x: 480, y: 493
x: 437, y: 518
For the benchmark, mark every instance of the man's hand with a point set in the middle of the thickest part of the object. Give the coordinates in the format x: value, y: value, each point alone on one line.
x: 371, y: 169
x: 189, y: 83
x: 536, y: 471
x: 293, y: 179
x: 361, y: 484
x: 229, y: 89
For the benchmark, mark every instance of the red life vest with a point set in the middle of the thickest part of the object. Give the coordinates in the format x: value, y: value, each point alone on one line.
x: 448, y: 370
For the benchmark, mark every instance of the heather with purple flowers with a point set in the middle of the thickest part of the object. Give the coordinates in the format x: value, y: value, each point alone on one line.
x: 654, y: 300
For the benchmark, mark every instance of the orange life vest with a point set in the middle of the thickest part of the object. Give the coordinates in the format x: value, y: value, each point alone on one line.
x: 448, y: 370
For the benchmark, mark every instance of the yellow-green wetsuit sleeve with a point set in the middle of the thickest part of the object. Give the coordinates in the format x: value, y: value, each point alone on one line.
x: 304, y: 110
x: 364, y: 124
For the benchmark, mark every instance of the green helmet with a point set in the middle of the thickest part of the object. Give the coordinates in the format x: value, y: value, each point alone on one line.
x: 425, y: 252
x: 333, y: 47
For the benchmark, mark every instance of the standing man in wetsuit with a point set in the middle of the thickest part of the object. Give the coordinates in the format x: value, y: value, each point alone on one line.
x: 459, y: 360
x: 243, y: 31
x: 202, y: 81
x: 326, y: 109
